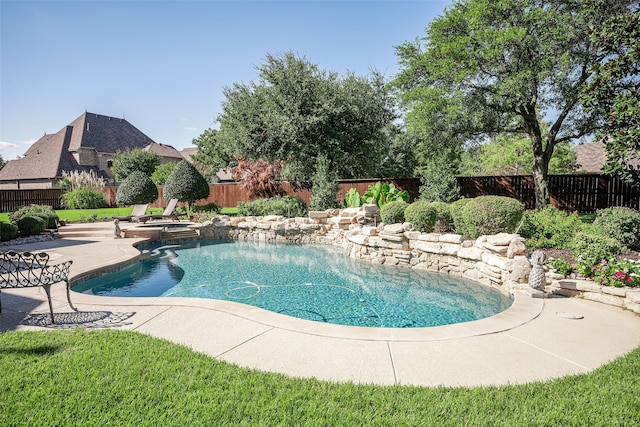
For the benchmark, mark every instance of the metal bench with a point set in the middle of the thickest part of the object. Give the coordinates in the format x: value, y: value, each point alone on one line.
x: 26, y: 270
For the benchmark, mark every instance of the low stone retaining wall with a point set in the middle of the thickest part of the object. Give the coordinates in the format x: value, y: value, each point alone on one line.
x: 498, y: 261
x: 628, y: 298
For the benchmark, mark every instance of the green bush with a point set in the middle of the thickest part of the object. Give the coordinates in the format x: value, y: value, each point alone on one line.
x: 209, y: 207
x: 422, y: 215
x: 456, y: 208
x: 560, y: 265
x: 393, y: 212
x: 186, y: 184
x: 549, y: 228
x: 591, y: 246
x: 622, y: 224
x: 487, y: 215
x: 46, y: 212
x: 137, y: 188
x: 444, y: 222
x: 8, y: 231
x: 30, y: 225
x: 83, y: 198
x: 289, y: 206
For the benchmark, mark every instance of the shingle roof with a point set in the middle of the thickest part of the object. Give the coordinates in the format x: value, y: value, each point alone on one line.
x: 52, y: 154
x: 590, y: 157
x: 106, y: 134
x: 165, y: 151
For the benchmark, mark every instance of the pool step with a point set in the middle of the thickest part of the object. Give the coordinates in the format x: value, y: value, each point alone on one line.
x: 180, y: 233
x: 90, y: 229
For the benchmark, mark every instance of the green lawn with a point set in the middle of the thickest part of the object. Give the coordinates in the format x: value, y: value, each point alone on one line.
x: 103, y: 214
x: 110, y: 377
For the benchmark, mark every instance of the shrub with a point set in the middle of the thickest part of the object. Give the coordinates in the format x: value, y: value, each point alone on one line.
x: 591, y: 247
x: 289, y: 206
x: 137, y: 188
x: 444, y: 222
x: 324, y: 187
x: 8, y: 231
x: 622, y: 224
x: 393, y: 212
x: 617, y: 273
x: 549, y: 228
x: 83, y: 198
x: 422, y: 215
x: 30, y: 225
x: 136, y: 160
x: 162, y: 172
x: 491, y: 214
x: 455, y: 209
x: 560, y: 265
x: 46, y: 212
x: 186, y: 184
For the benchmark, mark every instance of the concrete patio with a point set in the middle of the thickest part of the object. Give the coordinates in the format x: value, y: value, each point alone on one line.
x: 534, y: 340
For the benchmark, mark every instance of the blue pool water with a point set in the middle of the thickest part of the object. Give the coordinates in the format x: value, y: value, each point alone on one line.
x: 309, y: 282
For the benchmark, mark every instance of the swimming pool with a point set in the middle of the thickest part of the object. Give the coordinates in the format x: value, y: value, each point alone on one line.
x: 309, y: 282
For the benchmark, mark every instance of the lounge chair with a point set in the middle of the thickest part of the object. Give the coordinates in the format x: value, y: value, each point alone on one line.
x: 167, y: 214
x: 138, y: 212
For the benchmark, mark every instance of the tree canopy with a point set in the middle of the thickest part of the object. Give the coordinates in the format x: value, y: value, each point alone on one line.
x: 186, y: 184
x: 488, y: 67
x: 614, y: 92
x: 297, y: 112
x: 137, y: 188
x: 126, y: 162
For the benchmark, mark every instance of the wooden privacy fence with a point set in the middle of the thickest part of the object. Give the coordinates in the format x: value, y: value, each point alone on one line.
x: 574, y: 193
x: 11, y: 200
x: 231, y: 193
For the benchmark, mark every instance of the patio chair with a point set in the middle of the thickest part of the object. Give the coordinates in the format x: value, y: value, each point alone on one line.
x: 167, y: 214
x: 137, y: 213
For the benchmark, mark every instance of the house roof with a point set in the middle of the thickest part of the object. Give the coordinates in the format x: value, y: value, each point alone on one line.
x: 165, y: 151
x: 52, y: 154
x: 590, y: 157
x: 106, y: 134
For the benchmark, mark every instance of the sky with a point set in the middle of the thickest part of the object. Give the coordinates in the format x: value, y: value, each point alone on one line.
x: 163, y: 65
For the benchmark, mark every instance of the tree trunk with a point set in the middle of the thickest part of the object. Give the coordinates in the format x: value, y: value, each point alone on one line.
x: 540, y: 174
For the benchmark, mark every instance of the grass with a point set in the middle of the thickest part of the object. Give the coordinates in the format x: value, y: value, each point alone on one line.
x: 103, y: 214
x: 111, y: 377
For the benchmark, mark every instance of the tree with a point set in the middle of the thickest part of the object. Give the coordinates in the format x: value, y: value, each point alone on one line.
x: 614, y: 91
x: 325, y: 187
x: 137, y: 188
x: 186, y: 184
x: 260, y: 179
x: 512, y: 155
x: 297, y: 112
x: 126, y: 162
x: 162, y: 172
x: 211, y: 156
x: 2, y: 162
x: 499, y: 67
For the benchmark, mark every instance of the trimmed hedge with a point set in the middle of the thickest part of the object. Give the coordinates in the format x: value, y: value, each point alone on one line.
x: 393, y: 212
x: 8, y: 231
x: 486, y: 215
x: 444, y: 222
x: 455, y: 209
x: 46, y: 212
x: 30, y: 225
x: 422, y: 215
x: 288, y: 206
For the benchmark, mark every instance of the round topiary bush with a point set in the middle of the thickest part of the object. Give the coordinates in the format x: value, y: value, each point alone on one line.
x: 455, y: 209
x: 30, y: 225
x: 393, y: 212
x: 487, y: 215
x: 422, y: 215
x: 444, y: 222
x: 137, y: 188
x: 622, y: 224
x: 8, y: 231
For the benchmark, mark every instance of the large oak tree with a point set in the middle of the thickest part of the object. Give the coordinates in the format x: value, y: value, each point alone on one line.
x: 297, y: 112
x: 487, y: 67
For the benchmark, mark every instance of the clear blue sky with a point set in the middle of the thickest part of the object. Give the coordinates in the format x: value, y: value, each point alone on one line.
x: 163, y: 64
